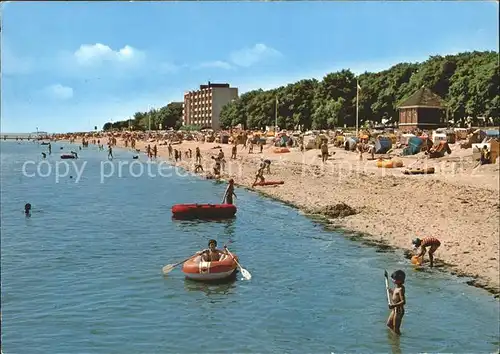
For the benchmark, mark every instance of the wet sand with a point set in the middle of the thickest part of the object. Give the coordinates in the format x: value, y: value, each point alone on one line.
x: 459, y: 204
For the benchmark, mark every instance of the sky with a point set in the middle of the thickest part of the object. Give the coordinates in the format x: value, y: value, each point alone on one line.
x: 72, y: 66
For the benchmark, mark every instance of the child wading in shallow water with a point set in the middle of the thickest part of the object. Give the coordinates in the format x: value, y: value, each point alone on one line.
x: 398, y: 302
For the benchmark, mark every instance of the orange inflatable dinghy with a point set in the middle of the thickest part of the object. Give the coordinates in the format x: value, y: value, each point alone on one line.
x: 196, y: 269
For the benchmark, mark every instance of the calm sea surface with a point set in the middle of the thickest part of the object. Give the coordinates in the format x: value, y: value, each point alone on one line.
x: 83, y: 273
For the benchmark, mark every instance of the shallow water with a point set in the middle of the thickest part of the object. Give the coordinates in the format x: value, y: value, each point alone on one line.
x: 83, y: 274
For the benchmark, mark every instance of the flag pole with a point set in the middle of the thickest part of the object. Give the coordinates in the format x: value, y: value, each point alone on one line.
x: 276, y: 118
x: 357, y: 108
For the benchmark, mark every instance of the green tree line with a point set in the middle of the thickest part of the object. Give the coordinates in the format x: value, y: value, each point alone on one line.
x: 169, y: 116
x: 468, y: 83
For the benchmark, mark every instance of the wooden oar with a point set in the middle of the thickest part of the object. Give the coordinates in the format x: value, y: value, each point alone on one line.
x: 387, y: 287
x: 169, y: 267
x: 245, y: 273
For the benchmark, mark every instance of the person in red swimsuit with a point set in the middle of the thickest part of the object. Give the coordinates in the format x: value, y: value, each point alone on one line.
x: 431, y: 242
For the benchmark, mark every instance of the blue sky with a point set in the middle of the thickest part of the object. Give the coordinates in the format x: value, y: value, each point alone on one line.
x: 70, y: 66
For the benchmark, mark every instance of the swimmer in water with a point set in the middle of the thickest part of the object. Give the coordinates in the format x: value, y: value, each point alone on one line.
x: 44, y: 155
x: 27, y: 209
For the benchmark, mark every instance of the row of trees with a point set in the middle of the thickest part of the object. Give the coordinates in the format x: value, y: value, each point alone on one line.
x: 468, y: 82
x: 169, y: 116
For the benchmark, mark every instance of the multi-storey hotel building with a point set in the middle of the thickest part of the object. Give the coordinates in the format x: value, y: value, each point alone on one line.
x: 203, y: 107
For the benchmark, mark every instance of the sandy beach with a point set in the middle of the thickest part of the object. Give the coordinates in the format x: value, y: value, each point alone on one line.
x: 459, y: 204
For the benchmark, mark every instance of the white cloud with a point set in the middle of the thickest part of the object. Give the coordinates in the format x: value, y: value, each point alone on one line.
x: 59, y: 92
x: 251, y: 55
x: 91, y: 54
x: 216, y: 64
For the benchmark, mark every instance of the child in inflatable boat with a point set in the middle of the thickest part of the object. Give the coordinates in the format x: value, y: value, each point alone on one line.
x: 212, y: 254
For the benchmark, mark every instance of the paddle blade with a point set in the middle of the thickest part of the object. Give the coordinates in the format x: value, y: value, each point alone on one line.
x: 167, y: 269
x: 246, y: 274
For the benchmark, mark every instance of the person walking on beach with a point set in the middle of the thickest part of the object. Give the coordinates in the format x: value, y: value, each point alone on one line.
x: 250, y: 146
x: 360, y: 147
x: 216, y: 166
x: 221, y: 159
x: 398, y: 301
x: 259, y: 176
x: 228, y: 195
x: 50, y: 149
x: 198, y: 155
x: 169, y: 150
x: 110, y: 152
x: 431, y: 242
x: 155, y: 151
x: 324, y: 151
x: 233, y: 152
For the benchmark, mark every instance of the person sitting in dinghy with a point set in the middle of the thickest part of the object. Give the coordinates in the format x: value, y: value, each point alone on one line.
x: 212, y: 254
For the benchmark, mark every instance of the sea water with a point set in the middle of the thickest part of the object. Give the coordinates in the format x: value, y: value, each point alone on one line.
x: 83, y: 273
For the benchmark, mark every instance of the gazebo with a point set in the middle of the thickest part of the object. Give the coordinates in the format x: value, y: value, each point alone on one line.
x: 423, y: 110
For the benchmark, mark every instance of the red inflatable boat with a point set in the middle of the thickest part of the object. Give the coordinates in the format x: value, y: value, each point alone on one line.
x: 203, y: 211
x: 269, y: 183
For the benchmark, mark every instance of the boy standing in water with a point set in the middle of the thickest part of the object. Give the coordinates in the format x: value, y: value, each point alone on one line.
x: 228, y: 196
x: 110, y: 152
x: 398, y: 301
